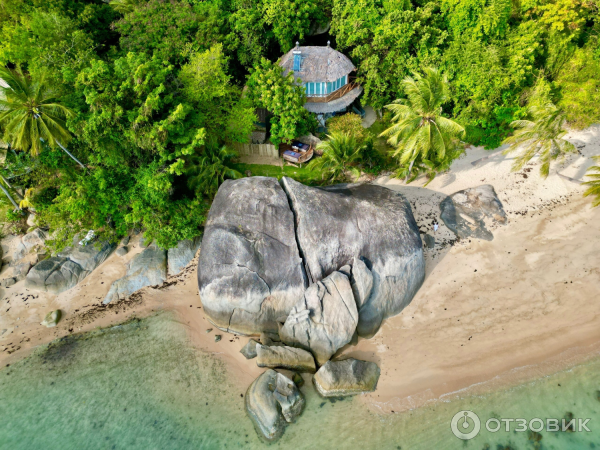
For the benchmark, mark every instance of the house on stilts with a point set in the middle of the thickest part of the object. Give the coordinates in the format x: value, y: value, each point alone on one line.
x: 327, y: 76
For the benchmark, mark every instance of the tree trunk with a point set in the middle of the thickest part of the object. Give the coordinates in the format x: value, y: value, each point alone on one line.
x: 12, y: 200
x: 409, y: 170
x: 20, y: 197
x: 69, y: 153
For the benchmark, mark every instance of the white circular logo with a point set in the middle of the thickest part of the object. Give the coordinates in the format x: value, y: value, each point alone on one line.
x: 465, y: 425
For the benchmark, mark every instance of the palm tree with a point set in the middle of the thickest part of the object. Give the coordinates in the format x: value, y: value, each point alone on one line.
x: 594, y: 183
x: 340, y: 152
x: 31, y: 114
x: 541, y: 136
x: 420, y: 134
x: 209, y: 169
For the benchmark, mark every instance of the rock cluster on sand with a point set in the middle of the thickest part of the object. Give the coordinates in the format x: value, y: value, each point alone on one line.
x: 63, y: 271
x: 266, y: 243
x: 284, y: 357
x: 464, y: 212
x: 272, y: 401
x: 347, y: 377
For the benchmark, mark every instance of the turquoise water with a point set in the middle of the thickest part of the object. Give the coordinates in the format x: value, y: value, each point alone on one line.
x: 141, y: 386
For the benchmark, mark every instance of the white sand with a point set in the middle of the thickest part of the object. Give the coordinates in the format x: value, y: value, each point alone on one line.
x: 529, y: 309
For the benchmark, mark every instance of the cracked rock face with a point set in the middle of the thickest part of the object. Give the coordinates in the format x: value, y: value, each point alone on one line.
x: 272, y: 401
x: 324, y: 320
x: 348, y: 377
x: 465, y: 212
x: 265, y: 243
x: 337, y: 224
x: 250, y: 272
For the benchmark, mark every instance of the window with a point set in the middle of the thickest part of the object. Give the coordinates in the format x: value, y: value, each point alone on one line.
x: 297, y: 62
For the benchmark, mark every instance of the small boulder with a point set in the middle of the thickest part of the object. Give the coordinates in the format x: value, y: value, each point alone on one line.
x: 464, y: 212
x: 263, y: 408
x: 249, y: 350
x: 428, y: 241
x: 20, y: 271
x: 297, y: 379
x: 289, y: 397
x: 52, y: 318
x: 31, y: 220
x: 324, y: 320
x: 7, y: 282
x: 285, y: 357
x: 122, y: 251
x: 125, y: 241
x: 348, y: 377
x: 180, y: 256
x: 218, y: 337
x: 36, y: 238
x: 147, y: 268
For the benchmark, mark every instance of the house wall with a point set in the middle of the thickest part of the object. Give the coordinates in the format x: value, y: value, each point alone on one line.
x: 324, y: 89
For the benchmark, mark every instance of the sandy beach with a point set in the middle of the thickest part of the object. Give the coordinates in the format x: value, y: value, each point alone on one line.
x: 489, y: 313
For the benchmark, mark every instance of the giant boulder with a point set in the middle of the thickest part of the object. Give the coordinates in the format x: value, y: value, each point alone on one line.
x: 465, y: 212
x: 337, y: 224
x: 324, y: 320
x: 250, y: 272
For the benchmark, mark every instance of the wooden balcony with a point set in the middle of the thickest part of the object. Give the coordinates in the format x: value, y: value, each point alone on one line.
x: 334, y: 95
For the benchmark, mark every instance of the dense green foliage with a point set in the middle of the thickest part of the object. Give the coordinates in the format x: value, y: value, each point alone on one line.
x: 341, y: 153
x: 156, y: 89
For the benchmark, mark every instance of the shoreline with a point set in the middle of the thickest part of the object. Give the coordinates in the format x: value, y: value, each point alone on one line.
x: 490, y: 314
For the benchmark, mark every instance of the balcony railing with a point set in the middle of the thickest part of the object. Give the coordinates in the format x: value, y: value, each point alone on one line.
x: 334, y: 95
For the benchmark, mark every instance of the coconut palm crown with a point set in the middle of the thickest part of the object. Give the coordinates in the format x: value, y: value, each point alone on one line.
x: 542, y: 136
x: 30, y: 112
x: 420, y: 134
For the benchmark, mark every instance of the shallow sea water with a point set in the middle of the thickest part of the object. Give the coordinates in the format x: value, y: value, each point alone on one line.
x: 141, y: 386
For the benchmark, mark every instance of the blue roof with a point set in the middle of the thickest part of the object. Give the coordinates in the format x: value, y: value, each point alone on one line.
x: 297, y: 62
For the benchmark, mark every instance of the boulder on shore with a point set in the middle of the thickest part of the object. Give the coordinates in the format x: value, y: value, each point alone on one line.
x: 272, y: 401
x: 250, y: 272
x: 285, y: 357
x: 336, y: 224
x: 324, y: 320
x: 348, y: 377
x: 180, y: 256
x: 147, y: 268
x: 59, y: 273
x: 263, y: 408
x: 249, y: 350
x: 464, y: 212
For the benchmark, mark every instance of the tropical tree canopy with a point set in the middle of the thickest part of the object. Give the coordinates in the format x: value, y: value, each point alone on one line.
x: 30, y: 111
x: 420, y: 134
x: 542, y: 136
x: 341, y: 152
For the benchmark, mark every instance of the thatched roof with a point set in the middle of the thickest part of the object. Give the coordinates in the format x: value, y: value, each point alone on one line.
x: 319, y: 64
x: 339, y: 104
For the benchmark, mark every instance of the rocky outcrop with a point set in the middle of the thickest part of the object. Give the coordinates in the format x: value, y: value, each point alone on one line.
x: 465, y: 212
x: 348, y: 377
x: 272, y: 401
x: 147, y: 268
x: 324, y: 320
x: 285, y: 357
x: 338, y: 223
x: 59, y: 273
x: 250, y: 272
x: 180, y: 256
x: 20, y: 271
